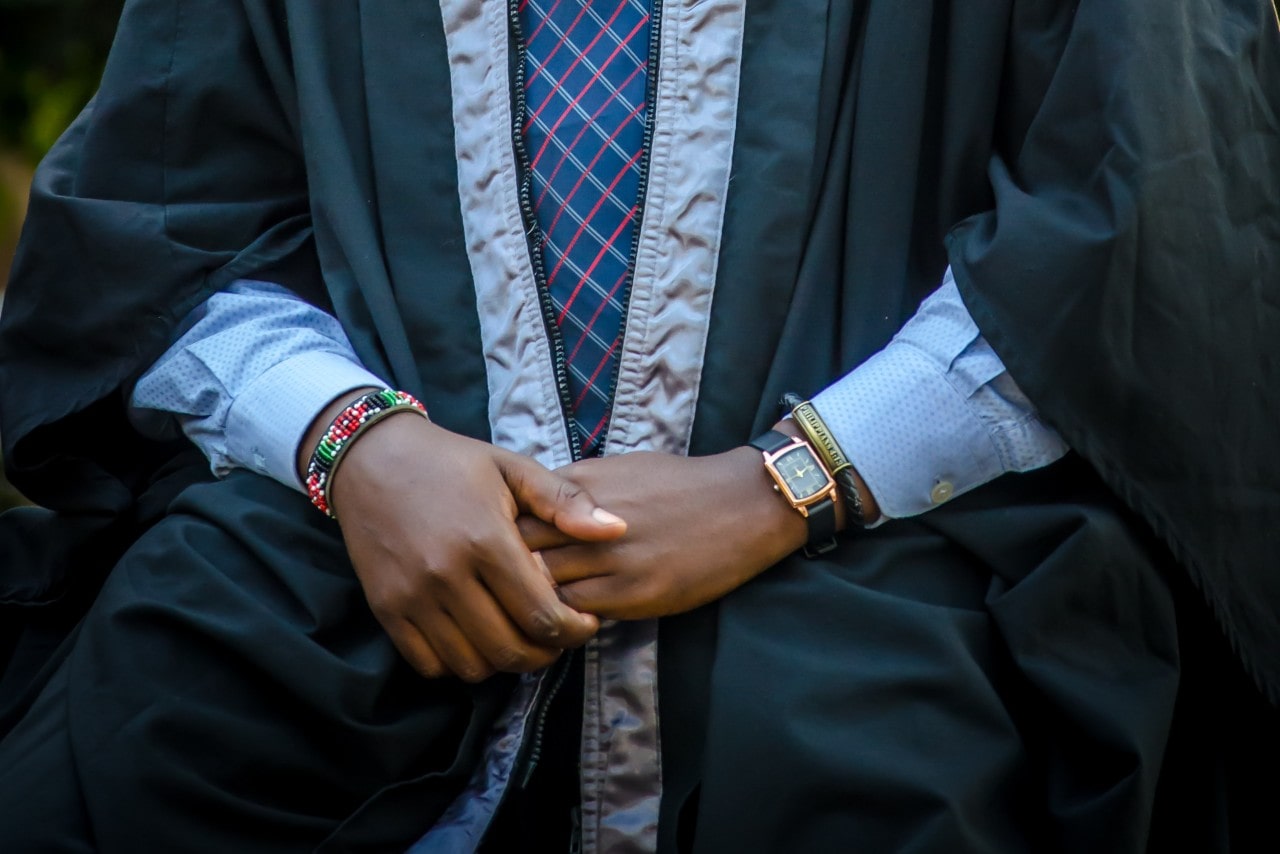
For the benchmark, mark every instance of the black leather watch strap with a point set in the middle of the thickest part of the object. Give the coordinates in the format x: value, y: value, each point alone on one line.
x: 821, y: 518
x: 822, y: 528
x: 770, y: 441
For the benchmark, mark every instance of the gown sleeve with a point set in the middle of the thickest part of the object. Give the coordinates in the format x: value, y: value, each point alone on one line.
x: 1128, y: 273
x: 181, y: 176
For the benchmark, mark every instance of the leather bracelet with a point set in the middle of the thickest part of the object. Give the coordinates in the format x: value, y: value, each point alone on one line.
x: 825, y: 444
x: 343, y: 430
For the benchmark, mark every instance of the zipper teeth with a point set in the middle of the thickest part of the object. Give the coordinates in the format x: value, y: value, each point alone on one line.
x: 642, y: 191
x: 531, y: 745
x: 533, y: 235
x: 534, y: 756
x: 546, y: 693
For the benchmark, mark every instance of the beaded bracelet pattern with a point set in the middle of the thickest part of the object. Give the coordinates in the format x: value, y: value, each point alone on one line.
x: 343, y: 430
x: 820, y: 436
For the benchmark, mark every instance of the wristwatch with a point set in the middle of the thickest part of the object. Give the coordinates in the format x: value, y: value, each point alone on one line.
x: 805, y: 483
x: 819, y: 435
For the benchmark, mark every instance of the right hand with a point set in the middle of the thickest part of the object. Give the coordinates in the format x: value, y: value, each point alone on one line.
x: 429, y: 522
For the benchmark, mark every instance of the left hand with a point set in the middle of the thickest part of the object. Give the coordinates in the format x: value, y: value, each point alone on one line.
x: 697, y: 528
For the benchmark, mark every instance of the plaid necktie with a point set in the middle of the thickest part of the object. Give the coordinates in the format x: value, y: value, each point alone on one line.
x: 585, y: 87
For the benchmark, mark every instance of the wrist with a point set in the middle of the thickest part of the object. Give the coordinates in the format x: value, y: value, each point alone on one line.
x: 382, y: 449
x: 352, y: 423
x: 321, y: 423
x: 774, y: 528
x: 804, y: 481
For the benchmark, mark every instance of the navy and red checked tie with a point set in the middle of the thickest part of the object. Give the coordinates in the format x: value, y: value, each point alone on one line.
x: 585, y: 87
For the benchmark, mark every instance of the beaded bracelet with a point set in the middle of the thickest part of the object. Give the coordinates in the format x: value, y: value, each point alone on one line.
x: 343, y: 430
x: 822, y: 440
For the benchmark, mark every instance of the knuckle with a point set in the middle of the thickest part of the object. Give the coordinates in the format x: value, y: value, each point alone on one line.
x: 513, y: 472
x: 650, y: 590
x: 544, y: 625
x: 511, y: 659
x: 570, y: 597
x: 567, y: 492
x: 429, y: 669
x: 473, y: 672
x: 435, y: 577
x: 386, y: 605
x: 479, y: 544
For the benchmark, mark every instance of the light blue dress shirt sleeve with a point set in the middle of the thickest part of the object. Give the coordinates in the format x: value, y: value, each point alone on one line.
x: 253, y: 367
x: 934, y: 414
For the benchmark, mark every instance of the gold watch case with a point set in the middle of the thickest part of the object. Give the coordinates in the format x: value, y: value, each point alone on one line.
x: 799, y: 475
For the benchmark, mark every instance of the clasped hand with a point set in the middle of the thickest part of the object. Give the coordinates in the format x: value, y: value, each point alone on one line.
x: 477, y: 560
x: 697, y: 528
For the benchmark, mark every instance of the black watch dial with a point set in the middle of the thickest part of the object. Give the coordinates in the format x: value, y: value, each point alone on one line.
x: 803, y: 475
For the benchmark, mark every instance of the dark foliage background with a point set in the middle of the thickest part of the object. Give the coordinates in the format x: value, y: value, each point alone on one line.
x: 51, y: 55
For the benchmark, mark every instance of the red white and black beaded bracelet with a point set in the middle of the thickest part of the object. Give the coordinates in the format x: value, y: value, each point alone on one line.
x: 343, y: 430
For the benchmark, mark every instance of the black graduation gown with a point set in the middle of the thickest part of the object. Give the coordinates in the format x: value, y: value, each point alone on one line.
x: 1099, y: 174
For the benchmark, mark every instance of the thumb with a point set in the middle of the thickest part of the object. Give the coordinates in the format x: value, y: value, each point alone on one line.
x: 558, y: 501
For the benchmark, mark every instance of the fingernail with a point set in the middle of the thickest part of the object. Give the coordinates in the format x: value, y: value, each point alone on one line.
x: 604, y: 517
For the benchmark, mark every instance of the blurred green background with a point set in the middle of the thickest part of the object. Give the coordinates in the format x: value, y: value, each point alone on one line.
x: 51, y: 55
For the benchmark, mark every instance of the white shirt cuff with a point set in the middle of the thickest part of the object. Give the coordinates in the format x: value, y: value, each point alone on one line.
x: 934, y: 414
x: 270, y: 416
x: 909, y: 433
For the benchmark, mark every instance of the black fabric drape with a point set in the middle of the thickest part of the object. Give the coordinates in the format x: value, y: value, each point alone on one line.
x: 1101, y: 175
x: 1129, y: 274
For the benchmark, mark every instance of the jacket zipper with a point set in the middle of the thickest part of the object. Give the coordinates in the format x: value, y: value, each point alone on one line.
x: 651, y: 100
x: 533, y: 755
x: 531, y: 749
x: 532, y: 232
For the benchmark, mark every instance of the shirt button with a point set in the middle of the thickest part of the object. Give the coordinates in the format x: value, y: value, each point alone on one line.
x: 942, y: 492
